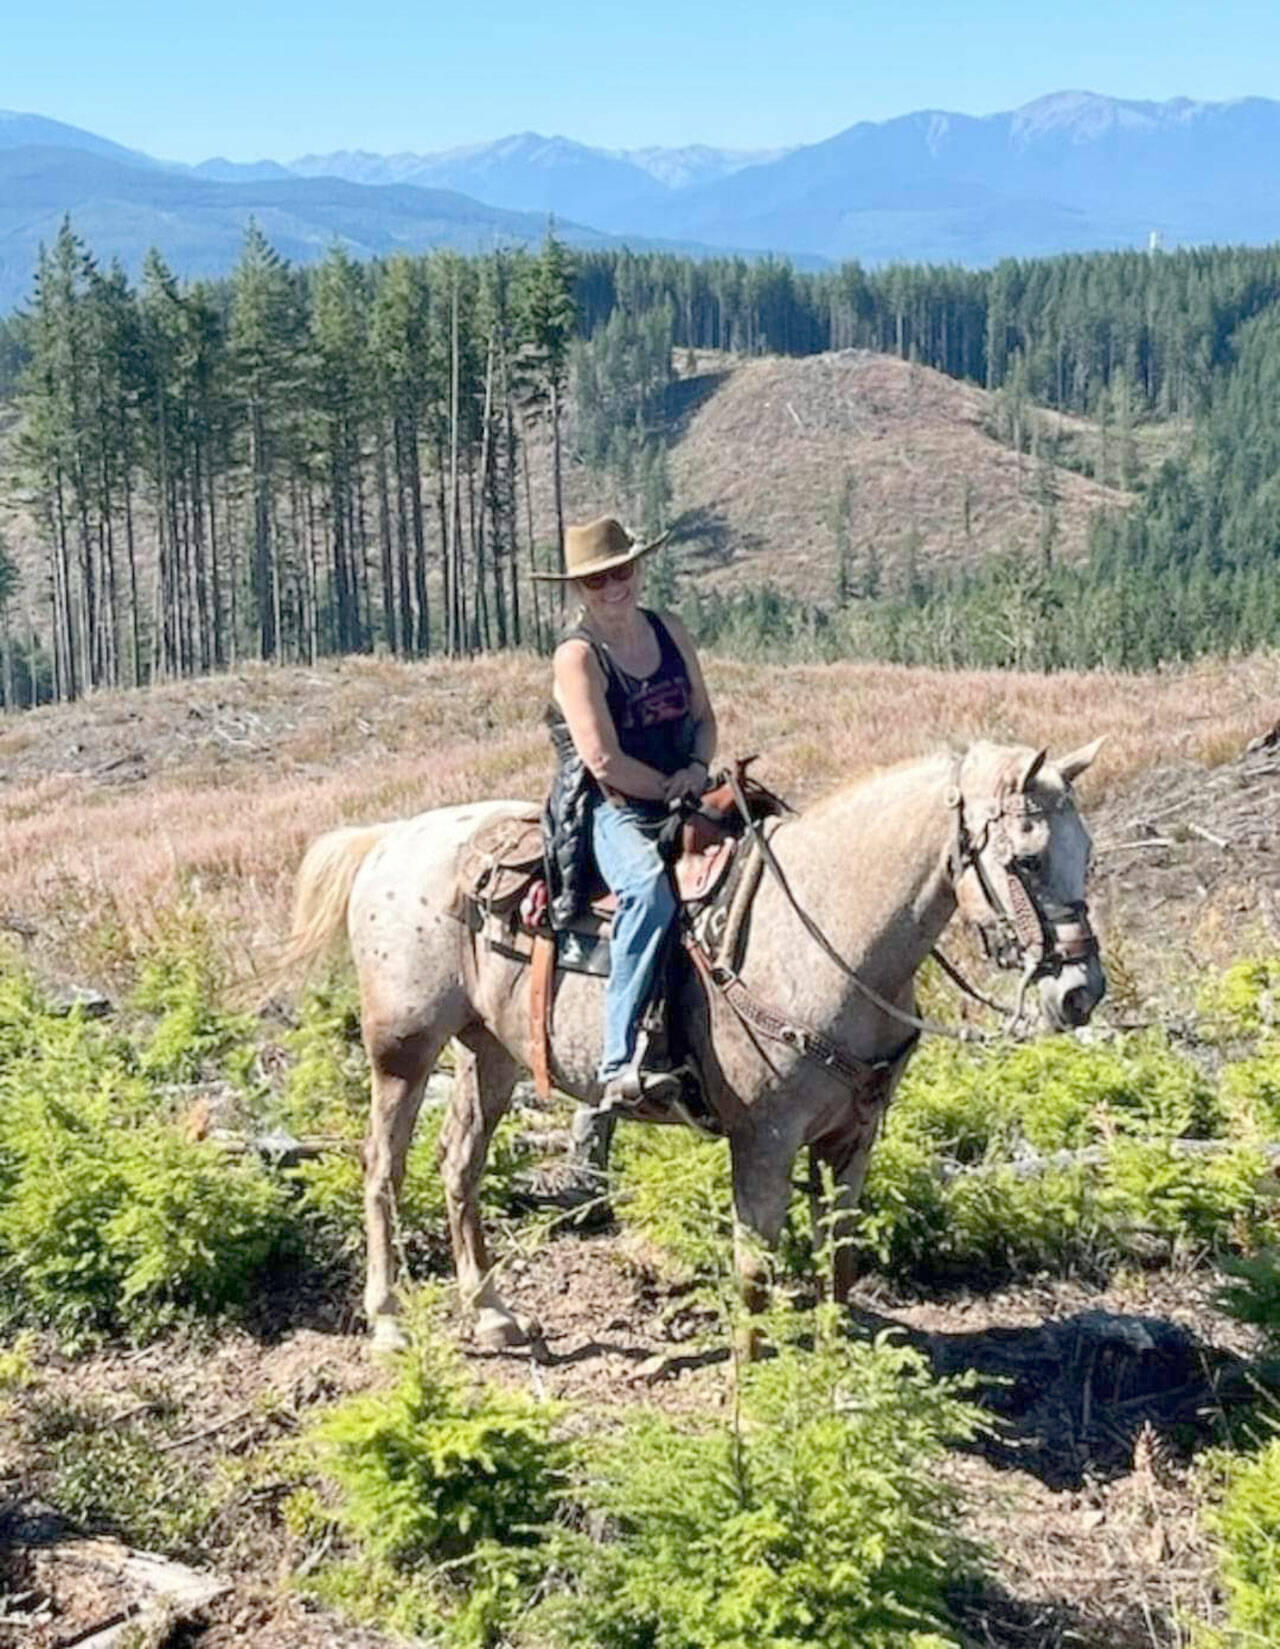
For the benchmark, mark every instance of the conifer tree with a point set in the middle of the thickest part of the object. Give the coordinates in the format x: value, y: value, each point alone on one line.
x: 549, y: 323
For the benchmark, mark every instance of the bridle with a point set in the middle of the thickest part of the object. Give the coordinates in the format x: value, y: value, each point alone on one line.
x: 1021, y: 928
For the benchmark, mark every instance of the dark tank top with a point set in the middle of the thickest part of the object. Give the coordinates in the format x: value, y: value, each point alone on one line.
x: 652, y: 715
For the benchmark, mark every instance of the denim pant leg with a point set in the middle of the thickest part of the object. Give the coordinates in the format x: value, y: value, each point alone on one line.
x: 630, y: 863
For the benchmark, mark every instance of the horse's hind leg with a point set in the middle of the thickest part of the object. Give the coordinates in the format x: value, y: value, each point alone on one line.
x: 484, y: 1075
x: 400, y: 1066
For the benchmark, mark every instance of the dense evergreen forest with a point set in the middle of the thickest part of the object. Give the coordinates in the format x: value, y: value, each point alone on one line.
x: 299, y: 462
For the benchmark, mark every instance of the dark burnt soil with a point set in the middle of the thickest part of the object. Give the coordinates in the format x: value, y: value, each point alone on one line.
x: 1083, y: 1489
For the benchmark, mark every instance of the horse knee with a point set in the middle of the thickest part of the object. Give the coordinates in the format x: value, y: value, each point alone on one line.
x: 396, y: 1054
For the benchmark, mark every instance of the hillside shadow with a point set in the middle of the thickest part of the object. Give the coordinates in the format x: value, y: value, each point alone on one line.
x: 706, y: 539
x: 1070, y: 1397
x: 683, y: 396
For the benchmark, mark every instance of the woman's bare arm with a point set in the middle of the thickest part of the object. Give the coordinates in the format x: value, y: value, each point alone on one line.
x: 580, y: 693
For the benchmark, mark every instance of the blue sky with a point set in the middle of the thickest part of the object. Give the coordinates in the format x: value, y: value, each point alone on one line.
x: 280, y: 78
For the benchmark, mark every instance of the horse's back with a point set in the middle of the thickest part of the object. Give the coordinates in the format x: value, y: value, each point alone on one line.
x: 403, y: 938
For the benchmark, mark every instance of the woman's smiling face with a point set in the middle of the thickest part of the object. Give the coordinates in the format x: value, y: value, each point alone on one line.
x: 615, y: 590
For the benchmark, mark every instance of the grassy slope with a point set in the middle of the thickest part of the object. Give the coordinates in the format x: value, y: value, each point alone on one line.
x: 115, y: 810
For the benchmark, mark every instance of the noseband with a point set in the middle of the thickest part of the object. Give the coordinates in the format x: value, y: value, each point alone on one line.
x: 1020, y: 929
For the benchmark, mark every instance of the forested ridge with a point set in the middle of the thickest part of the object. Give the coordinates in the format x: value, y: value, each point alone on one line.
x: 295, y: 463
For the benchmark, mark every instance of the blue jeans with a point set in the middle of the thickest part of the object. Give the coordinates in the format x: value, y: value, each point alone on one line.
x: 622, y: 838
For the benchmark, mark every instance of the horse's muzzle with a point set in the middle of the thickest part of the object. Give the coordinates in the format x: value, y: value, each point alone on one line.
x: 1069, y: 996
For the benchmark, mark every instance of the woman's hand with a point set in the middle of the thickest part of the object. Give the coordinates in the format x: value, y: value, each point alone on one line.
x: 687, y: 784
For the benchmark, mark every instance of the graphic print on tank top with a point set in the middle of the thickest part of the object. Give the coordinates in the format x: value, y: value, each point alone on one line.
x: 653, y: 714
x: 659, y: 701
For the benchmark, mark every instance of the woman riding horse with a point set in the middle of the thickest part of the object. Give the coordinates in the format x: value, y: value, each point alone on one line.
x: 635, y: 734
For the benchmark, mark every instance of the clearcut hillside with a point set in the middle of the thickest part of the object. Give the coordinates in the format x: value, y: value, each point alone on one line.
x: 766, y: 453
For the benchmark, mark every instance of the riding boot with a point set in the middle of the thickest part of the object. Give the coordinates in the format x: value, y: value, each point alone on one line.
x: 590, y: 1140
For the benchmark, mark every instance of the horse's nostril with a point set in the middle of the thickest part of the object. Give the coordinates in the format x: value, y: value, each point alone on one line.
x: 1077, y: 1005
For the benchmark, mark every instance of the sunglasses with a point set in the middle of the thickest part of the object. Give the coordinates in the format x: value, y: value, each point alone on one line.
x: 618, y: 575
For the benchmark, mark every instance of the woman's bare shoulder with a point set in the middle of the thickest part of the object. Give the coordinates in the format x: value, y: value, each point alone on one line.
x: 575, y: 656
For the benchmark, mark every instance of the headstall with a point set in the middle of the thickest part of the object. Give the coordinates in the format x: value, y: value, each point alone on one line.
x: 1023, y: 929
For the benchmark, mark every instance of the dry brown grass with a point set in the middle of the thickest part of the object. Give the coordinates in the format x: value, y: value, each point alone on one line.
x: 115, y: 811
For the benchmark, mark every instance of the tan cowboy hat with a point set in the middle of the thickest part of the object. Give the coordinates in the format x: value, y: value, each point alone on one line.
x: 598, y: 546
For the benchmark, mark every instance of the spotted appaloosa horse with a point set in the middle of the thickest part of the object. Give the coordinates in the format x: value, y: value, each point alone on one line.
x: 881, y: 865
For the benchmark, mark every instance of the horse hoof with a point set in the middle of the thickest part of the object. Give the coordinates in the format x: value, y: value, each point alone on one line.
x: 498, y: 1330
x: 530, y: 1325
x: 387, y: 1337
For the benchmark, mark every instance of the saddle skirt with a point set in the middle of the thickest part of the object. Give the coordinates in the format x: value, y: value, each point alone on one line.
x: 500, y: 888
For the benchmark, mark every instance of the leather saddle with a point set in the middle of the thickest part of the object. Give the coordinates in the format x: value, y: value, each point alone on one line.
x: 500, y: 892
x: 500, y: 881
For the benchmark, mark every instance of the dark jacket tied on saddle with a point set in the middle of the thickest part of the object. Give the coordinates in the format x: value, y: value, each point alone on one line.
x: 566, y: 827
x: 654, y: 724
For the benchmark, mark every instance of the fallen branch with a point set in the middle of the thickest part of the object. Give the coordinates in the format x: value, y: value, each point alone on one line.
x: 209, y: 1431
x: 1208, y: 835
x: 283, y: 1149
x: 1142, y: 841
x: 164, y: 1592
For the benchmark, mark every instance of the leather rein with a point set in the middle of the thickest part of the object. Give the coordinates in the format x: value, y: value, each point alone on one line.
x: 1036, y: 936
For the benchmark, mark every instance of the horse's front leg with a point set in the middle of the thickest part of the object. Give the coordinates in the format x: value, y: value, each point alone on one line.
x: 399, y: 1067
x: 484, y: 1075
x: 762, y: 1166
x: 833, y: 1214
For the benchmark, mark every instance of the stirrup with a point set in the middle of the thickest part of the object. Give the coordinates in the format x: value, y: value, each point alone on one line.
x: 637, y: 1086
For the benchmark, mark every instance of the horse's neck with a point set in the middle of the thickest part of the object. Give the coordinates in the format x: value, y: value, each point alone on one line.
x: 869, y: 866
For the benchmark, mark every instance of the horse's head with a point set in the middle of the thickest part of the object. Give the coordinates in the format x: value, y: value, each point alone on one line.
x: 1019, y: 861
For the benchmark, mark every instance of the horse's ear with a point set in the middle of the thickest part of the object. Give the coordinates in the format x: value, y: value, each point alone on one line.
x: 1072, y: 766
x: 1029, y: 771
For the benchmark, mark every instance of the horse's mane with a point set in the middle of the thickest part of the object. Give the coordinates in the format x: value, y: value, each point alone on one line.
x: 884, y: 774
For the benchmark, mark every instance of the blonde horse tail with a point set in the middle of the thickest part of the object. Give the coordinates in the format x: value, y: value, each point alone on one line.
x: 323, y: 890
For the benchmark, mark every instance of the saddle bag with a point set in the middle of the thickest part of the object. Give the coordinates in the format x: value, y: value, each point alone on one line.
x: 498, y: 862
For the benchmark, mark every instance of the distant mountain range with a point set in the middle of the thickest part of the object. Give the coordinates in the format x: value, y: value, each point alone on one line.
x: 1072, y: 171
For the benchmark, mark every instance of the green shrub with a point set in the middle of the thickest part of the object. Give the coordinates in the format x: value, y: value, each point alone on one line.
x: 673, y: 1189
x: 1054, y: 1093
x: 1245, y: 1523
x: 110, y: 1218
x: 1251, y: 1090
x: 1253, y: 1292
x: 17, y: 1364
x: 326, y: 1088
x: 812, y: 1515
x: 443, y: 1486
x: 192, y: 1037
x: 1244, y: 1000
x: 1201, y: 1201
